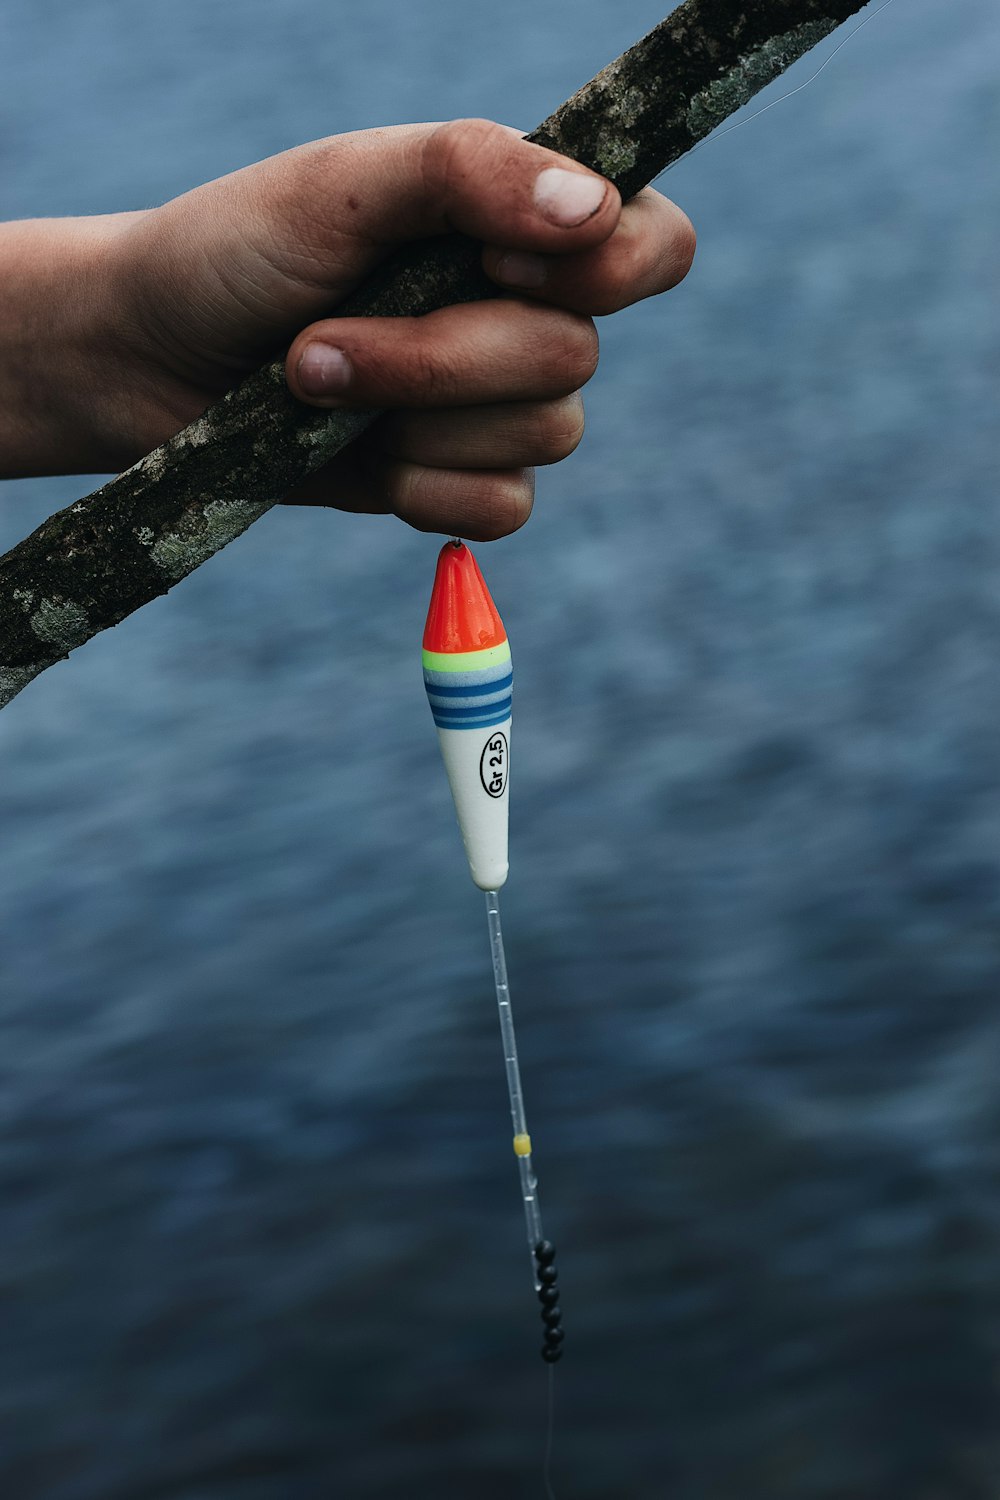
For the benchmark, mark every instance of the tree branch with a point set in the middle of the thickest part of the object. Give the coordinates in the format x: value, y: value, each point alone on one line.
x: 90, y: 565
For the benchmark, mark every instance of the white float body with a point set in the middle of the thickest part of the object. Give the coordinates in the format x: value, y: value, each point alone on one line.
x: 469, y: 682
x: 475, y: 762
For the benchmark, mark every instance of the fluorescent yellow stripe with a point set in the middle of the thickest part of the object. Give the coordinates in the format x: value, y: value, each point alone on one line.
x: 467, y: 661
x: 522, y: 1145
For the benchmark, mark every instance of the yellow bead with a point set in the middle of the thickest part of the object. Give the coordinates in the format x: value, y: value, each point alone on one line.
x: 522, y: 1145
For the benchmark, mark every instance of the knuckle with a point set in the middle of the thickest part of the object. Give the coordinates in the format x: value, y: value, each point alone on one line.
x: 624, y: 279
x: 561, y: 425
x: 501, y: 503
x: 509, y: 499
x: 683, y: 243
x: 454, y: 153
x: 403, y: 485
x: 580, y: 351
x: 427, y: 375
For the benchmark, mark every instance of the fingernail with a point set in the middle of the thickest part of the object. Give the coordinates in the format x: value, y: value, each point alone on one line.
x: 324, y: 370
x: 519, y: 268
x: 567, y: 198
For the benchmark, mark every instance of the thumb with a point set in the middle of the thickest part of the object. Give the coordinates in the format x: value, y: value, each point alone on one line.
x: 349, y: 200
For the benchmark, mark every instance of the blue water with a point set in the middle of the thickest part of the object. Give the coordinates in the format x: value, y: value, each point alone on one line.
x: 259, y: 1228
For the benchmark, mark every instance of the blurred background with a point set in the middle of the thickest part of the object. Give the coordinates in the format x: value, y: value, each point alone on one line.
x: 261, y: 1237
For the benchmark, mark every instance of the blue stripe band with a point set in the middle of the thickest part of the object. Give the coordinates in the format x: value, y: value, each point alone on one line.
x: 469, y: 705
x: 471, y: 720
x: 466, y: 689
x: 478, y: 678
x: 472, y: 710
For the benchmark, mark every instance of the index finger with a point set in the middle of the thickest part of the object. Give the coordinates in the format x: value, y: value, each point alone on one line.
x: 649, y: 251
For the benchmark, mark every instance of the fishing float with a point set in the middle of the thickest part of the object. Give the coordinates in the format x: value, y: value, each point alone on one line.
x: 469, y: 680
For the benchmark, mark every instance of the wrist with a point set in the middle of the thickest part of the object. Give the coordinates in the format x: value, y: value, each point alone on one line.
x: 63, y: 384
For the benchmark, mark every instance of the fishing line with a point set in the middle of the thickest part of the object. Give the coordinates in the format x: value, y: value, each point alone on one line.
x: 797, y: 90
x: 549, y: 1434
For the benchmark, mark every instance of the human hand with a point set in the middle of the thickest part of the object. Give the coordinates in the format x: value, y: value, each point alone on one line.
x: 207, y: 287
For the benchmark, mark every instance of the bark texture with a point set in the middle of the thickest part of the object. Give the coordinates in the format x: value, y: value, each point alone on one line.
x: 90, y: 565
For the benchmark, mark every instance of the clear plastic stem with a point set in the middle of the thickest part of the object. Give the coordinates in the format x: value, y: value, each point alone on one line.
x: 522, y: 1142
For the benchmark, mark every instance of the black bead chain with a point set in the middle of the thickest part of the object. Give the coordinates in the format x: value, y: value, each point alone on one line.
x: 548, y: 1296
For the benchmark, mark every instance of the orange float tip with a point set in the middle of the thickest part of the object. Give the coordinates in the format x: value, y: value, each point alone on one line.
x: 462, y: 616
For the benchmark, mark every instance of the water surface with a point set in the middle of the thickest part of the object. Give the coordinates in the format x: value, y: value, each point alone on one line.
x: 261, y: 1238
